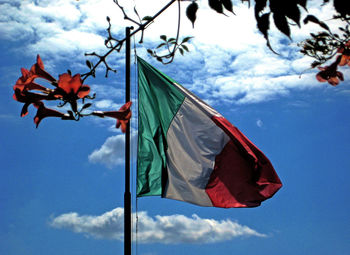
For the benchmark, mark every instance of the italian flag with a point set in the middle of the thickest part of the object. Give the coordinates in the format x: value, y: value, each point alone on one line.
x: 189, y: 152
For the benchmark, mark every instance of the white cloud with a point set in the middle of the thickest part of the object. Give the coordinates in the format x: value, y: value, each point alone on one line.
x: 106, y: 104
x: 68, y: 42
x: 56, y: 27
x: 8, y: 117
x: 170, y: 229
x: 228, y: 61
x: 104, y: 92
x: 111, y: 153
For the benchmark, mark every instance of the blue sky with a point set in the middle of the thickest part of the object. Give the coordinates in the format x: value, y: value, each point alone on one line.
x: 62, y: 184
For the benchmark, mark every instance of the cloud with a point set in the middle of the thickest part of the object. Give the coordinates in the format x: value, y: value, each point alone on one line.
x: 172, y: 229
x: 8, y: 117
x: 107, y: 92
x: 106, y: 104
x: 56, y: 27
x: 255, y: 89
x: 228, y: 62
x: 65, y: 42
x: 111, y: 153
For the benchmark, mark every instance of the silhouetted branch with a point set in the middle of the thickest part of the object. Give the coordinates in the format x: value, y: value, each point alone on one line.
x: 171, y: 52
x: 284, y: 14
x: 119, y: 43
x: 125, y: 15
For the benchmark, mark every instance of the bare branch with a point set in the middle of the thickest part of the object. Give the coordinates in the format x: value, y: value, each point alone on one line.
x: 119, y: 43
x: 125, y: 15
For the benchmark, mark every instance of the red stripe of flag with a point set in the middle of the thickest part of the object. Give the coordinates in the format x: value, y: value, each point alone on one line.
x: 242, y: 176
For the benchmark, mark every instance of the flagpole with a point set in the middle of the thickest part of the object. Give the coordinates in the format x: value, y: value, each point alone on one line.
x: 127, y: 194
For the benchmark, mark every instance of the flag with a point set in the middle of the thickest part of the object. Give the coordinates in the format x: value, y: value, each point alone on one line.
x: 187, y: 151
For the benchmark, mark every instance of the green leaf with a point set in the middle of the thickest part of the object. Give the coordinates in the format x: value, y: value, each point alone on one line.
x: 228, y: 5
x: 312, y: 18
x: 147, y: 18
x: 315, y: 64
x: 181, y: 51
x: 161, y: 45
x: 259, y: 6
x: 185, y: 47
x: 172, y: 40
x: 264, y: 24
x: 150, y: 52
x: 191, y: 12
x: 302, y: 3
x: 85, y: 106
x: 293, y: 13
x: 281, y: 23
x: 324, y: 34
x: 324, y: 25
x: 342, y: 7
x: 163, y: 37
x: 186, y: 39
x: 136, y: 11
x: 216, y: 5
x: 89, y: 64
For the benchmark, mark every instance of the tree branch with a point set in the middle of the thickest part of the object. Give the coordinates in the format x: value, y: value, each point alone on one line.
x: 120, y: 43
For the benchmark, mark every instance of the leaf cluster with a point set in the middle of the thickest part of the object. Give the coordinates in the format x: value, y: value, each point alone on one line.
x: 324, y: 45
x: 170, y: 45
x: 284, y: 14
x: 217, y: 5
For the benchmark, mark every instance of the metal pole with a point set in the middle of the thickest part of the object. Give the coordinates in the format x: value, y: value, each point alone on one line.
x: 127, y: 194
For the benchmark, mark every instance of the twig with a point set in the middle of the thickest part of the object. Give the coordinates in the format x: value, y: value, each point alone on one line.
x: 120, y: 43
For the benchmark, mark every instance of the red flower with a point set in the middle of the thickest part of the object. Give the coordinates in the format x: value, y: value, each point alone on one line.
x: 123, y: 115
x: 345, y: 57
x: 330, y: 74
x: 37, y: 71
x: 72, y: 87
x: 25, y: 82
x: 27, y: 98
x: 122, y: 123
x: 44, y: 112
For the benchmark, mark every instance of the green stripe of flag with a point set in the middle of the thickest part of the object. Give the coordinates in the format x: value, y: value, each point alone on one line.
x: 158, y: 103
